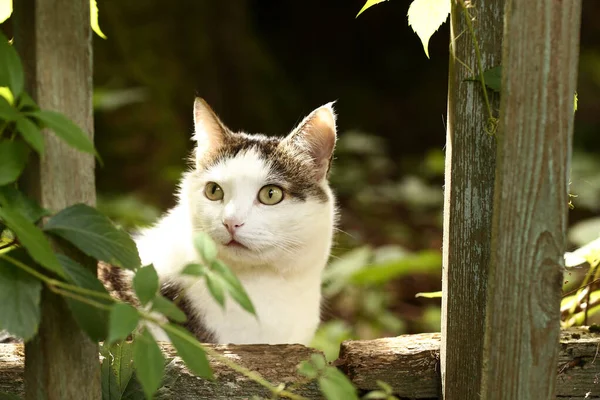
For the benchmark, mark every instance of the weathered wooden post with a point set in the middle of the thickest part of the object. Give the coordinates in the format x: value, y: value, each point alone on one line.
x: 540, y: 57
x: 469, y: 194
x: 53, y: 38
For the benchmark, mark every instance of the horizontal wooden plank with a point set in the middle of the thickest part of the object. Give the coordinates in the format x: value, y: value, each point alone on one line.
x: 410, y: 363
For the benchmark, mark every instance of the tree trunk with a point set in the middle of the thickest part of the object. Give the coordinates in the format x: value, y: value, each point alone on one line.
x: 54, y: 40
x: 469, y: 186
x: 540, y: 57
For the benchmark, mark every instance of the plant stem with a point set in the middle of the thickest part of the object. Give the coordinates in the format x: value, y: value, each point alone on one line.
x: 492, y: 122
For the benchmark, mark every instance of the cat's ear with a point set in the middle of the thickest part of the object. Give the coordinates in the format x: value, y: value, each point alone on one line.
x: 209, y: 132
x: 316, y: 135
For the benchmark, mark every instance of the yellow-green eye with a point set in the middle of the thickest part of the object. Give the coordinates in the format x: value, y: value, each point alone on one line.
x: 270, y: 195
x: 213, y: 192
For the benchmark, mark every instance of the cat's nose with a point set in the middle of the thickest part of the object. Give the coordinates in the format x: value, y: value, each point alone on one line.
x: 232, y: 225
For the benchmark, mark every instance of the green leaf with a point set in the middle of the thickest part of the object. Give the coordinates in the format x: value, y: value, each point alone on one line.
x: 492, y: 78
x: 11, y: 69
x: 216, y: 287
x: 95, y: 235
x: 385, y: 387
x: 336, y: 386
x: 91, y: 319
x: 31, y: 133
x: 368, y: 4
x: 32, y: 238
x: 7, y: 112
x: 26, y: 103
x: 206, y: 247
x: 425, y: 261
x: 94, y: 19
x: 376, y: 395
x: 168, y: 308
x: 149, y: 362
x: 5, y: 10
x: 194, y: 270
x: 13, y: 157
x: 145, y: 284
x: 66, y: 129
x: 117, y: 369
x: 12, y: 198
x: 233, y: 286
x: 123, y: 320
x: 190, y: 351
x: 429, y: 295
x: 426, y: 16
x: 308, y: 369
x: 19, y: 301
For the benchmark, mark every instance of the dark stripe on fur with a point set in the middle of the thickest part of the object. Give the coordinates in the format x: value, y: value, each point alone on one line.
x: 297, y: 173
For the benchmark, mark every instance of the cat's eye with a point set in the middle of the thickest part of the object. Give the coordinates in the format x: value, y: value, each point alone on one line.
x: 213, y: 192
x: 270, y: 195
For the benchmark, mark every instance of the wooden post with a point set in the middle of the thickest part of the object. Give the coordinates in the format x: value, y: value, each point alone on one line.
x: 540, y: 57
x: 469, y: 187
x: 53, y: 38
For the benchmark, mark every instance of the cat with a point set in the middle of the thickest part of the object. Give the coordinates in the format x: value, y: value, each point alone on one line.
x: 267, y: 204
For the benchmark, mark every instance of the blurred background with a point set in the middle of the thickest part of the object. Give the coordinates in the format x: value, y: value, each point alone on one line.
x: 263, y: 65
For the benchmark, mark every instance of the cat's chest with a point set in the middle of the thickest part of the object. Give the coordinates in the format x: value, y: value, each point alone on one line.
x: 288, y: 311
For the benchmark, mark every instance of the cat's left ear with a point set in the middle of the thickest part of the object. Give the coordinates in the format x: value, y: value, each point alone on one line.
x: 316, y: 135
x: 210, y: 133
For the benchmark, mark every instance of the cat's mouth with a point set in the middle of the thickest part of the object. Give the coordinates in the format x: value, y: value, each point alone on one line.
x: 235, y: 244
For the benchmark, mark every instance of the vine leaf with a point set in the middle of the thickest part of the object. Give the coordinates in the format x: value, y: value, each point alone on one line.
x: 492, y: 77
x: 368, y: 4
x: 190, y: 351
x: 13, y: 157
x: 31, y: 133
x: 11, y: 69
x: 145, y: 284
x: 123, y: 320
x: 426, y: 16
x: 20, y: 299
x: 149, y: 362
x: 168, y: 309
x: 95, y: 235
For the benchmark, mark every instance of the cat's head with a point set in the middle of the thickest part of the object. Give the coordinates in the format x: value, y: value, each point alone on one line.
x: 264, y: 200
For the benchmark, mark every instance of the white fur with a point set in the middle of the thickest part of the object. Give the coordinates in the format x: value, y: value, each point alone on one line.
x: 288, y: 244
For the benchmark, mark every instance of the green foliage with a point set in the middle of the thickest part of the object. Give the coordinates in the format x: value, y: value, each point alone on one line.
x: 149, y: 362
x: 64, y: 128
x: 32, y: 238
x: 13, y: 157
x: 385, y: 393
x: 190, y: 351
x: 95, y: 235
x: 11, y: 69
x: 14, y: 200
x: 426, y: 16
x: 206, y: 247
x: 31, y: 133
x: 492, y: 77
x: 123, y: 320
x: 20, y: 301
x: 117, y: 369
x: 145, y: 284
x: 94, y: 19
x: 333, y: 384
x: 91, y: 318
x: 168, y: 309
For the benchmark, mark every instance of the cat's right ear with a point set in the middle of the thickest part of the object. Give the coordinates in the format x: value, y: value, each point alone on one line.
x: 209, y: 132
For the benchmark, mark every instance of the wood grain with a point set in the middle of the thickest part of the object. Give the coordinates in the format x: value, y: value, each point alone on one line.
x: 469, y: 195
x: 410, y: 363
x: 540, y: 58
x: 53, y: 38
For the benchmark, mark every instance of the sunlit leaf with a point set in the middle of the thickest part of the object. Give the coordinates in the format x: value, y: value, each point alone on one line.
x: 194, y: 269
x: 368, y: 4
x: 122, y: 321
x: 19, y: 301
x: 95, y: 235
x: 216, y: 287
x: 426, y: 16
x: 94, y: 19
x: 233, y: 286
x: 424, y: 261
x: 575, y: 99
x: 429, y: 295
x: 13, y: 158
x: 7, y: 94
x: 149, y: 362
x: 6, y: 8
x: 190, y: 352
x: 145, y: 284
x: 336, y: 386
